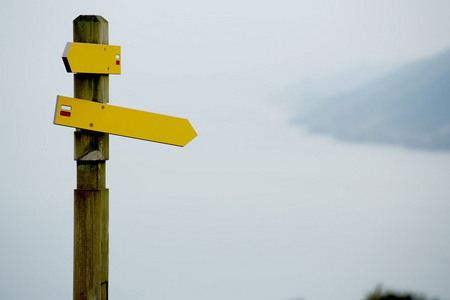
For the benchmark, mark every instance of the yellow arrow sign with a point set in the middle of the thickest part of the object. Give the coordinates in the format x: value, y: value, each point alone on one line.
x: 92, y: 58
x: 123, y: 121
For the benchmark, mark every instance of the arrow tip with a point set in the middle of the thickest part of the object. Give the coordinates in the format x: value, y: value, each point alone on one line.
x: 64, y: 58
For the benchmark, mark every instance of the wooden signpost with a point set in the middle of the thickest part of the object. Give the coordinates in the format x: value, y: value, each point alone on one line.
x: 92, y: 59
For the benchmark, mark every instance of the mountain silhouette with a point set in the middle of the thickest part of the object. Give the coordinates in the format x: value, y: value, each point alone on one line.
x: 408, y: 107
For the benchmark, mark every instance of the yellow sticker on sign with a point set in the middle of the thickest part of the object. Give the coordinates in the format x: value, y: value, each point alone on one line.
x: 122, y: 121
x: 92, y: 58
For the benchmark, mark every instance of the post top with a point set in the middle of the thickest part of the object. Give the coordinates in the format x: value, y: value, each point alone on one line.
x: 90, y: 29
x: 90, y: 18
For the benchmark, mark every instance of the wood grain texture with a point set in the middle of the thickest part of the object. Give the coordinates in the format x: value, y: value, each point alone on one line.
x: 91, y: 198
x: 89, y: 142
x: 91, y: 238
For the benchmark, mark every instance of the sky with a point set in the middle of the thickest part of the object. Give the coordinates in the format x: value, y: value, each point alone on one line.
x: 253, y: 208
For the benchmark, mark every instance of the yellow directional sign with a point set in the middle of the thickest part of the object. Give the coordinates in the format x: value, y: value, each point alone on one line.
x: 123, y: 121
x: 92, y: 58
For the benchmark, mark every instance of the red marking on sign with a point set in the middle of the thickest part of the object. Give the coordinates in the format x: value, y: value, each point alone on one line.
x: 65, y: 113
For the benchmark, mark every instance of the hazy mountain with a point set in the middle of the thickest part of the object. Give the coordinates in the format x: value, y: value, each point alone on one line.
x: 410, y: 106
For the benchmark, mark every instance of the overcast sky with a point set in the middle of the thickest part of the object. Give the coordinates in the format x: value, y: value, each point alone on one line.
x: 244, y: 210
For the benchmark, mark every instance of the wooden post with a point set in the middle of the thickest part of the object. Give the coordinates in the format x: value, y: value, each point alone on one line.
x: 91, y: 199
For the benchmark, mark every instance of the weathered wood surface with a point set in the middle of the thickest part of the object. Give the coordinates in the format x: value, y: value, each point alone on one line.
x: 91, y: 204
x: 91, y: 244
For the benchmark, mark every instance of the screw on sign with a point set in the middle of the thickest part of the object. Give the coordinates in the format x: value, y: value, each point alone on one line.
x: 91, y: 60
